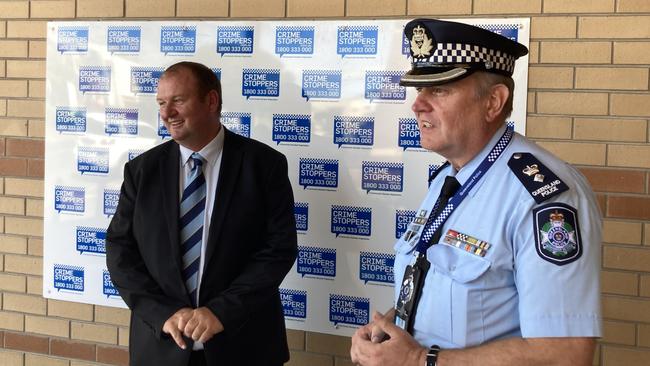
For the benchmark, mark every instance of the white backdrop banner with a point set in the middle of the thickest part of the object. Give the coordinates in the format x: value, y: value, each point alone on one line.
x: 325, y: 93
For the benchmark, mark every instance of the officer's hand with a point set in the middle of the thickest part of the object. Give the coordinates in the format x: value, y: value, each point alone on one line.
x: 377, y: 335
x: 172, y: 325
x: 202, y: 326
x: 399, y: 349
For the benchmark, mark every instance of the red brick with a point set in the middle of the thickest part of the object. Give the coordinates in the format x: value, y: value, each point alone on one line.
x: 615, y: 180
x: 628, y: 207
x: 36, y: 168
x: 26, y: 342
x: 13, y: 167
x: 2, y: 146
x: 25, y: 147
x: 113, y: 355
x: 2, y: 338
x: 72, y: 349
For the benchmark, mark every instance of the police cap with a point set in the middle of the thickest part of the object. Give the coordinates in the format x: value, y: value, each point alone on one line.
x: 444, y: 51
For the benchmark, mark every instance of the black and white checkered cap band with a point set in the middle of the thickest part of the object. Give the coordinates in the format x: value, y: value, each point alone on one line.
x: 460, y: 53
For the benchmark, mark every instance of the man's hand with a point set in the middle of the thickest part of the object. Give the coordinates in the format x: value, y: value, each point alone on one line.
x: 172, y: 325
x: 202, y: 325
x: 397, y: 347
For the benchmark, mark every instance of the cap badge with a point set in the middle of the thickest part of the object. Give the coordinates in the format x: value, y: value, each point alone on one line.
x: 421, y: 45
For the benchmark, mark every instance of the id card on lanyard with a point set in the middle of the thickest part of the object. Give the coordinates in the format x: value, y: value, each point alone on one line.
x: 414, y: 274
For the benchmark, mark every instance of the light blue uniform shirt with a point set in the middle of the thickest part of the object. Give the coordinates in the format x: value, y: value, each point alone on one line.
x: 512, y: 291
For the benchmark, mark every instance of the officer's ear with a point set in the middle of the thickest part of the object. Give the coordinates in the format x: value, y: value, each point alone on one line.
x: 496, y: 101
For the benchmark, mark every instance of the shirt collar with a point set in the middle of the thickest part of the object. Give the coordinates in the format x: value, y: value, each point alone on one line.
x: 210, y: 152
x: 465, y: 172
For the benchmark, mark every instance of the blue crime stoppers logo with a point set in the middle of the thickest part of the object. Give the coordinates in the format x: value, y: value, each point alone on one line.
x: 406, y: 45
x: 376, y: 267
x: 384, y: 85
x: 175, y: 39
x: 95, y: 79
x: 301, y: 213
x: 319, y: 173
x: 402, y: 220
x: 71, y: 119
x: 260, y: 83
x: 108, y: 288
x: 506, y: 30
x: 357, y: 40
x: 163, y: 132
x: 111, y: 197
x: 217, y: 72
x: 72, y: 39
x: 382, y: 176
x: 348, y: 220
x: 358, y: 131
x: 316, y: 261
x: 235, y: 40
x: 349, y: 309
x: 69, y: 199
x: 291, y: 128
x: 123, y: 39
x: 408, y: 136
x: 68, y: 278
x: 92, y: 160
x: 432, y: 169
x: 145, y: 79
x: 510, y: 125
x: 121, y: 121
x: 91, y: 240
x: 239, y: 123
x: 294, y: 303
x: 294, y: 40
x: 321, y: 84
x: 132, y: 154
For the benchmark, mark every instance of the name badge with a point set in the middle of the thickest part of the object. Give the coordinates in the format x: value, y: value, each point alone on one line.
x: 410, y: 291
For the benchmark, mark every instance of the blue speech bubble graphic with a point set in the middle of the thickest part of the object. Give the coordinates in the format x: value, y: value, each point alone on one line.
x: 294, y: 303
x: 376, y: 267
x: 382, y: 176
x: 294, y: 40
x: 318, y: 173
x: 316, y: 261
x: 351, y: 310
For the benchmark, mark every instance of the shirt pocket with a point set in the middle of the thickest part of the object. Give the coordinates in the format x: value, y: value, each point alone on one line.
x: 450, y: 305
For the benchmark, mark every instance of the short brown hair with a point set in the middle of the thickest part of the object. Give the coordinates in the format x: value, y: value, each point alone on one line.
x: 486, y: 80
x: 206, y: 80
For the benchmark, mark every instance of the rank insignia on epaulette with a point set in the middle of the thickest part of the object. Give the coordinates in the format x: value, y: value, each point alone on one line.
x: 467, y: 243
x: 539, y: 181
x: 557, y: 235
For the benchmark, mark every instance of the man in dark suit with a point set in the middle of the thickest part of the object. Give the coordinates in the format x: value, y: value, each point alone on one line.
x: 203, y: 235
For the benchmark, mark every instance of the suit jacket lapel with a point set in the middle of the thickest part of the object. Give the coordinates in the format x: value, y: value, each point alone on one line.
x: 169, y: 170
x: 228, y: 174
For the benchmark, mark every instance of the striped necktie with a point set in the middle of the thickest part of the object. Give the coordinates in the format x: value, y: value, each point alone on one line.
x: 191, y: 223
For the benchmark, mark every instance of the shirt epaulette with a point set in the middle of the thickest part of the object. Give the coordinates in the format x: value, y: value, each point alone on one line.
x: 538, y: 180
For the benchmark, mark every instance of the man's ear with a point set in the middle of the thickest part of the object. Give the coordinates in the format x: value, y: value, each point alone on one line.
x: 213, y: 99
x: 496, y: 102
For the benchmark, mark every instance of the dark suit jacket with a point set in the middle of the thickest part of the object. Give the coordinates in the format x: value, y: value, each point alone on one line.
x: 251, y: 247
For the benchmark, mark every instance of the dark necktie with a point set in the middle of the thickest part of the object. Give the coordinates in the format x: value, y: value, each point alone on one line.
x: 191, y: 223
x: 448, y: 189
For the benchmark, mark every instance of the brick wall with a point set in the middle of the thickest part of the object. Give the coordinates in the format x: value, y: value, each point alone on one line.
x: 588, y: 102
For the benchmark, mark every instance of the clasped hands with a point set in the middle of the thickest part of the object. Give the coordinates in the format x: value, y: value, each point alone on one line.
x: 198, y: 324
x: 382, y: 343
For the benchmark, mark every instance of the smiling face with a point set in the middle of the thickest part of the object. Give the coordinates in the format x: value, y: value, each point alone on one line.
x: 454, y: 120
x: 191, y: 119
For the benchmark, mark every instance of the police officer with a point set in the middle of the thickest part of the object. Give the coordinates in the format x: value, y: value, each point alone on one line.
x: 501, y: 264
